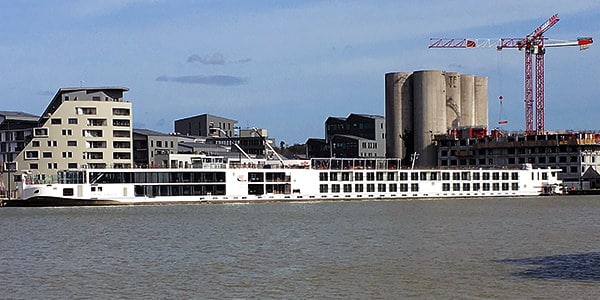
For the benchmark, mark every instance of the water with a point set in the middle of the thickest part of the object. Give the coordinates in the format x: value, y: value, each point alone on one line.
x: 463, y: 248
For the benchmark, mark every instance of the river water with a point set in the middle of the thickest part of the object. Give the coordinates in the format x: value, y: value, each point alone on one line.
x: 547, y: 247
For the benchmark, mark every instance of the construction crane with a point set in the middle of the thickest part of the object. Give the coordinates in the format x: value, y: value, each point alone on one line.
x: 532, y: 44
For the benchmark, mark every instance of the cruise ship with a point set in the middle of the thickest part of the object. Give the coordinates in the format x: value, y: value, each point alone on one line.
x: 211, y: 179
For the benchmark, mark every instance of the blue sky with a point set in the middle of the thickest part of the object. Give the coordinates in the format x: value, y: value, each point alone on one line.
x: 287, y: 65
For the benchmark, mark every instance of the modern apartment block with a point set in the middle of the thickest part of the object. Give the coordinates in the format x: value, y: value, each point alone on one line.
x: 201, y: 126
x: 148, y: 143
x: 15, y: 132
x: 85, y: 127
x: 357, y: 135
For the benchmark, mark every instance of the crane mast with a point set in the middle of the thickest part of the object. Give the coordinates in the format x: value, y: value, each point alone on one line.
x: 532, y: 44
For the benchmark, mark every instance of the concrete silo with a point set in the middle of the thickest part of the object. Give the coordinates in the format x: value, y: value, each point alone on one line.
x: 481, y: 101
x: 429, y: 96
x: 453, y: 88
x: 398, y: 112
x: 467, y: 100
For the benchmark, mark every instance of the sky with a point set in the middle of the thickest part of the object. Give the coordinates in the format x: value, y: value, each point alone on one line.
x: 288, y: 65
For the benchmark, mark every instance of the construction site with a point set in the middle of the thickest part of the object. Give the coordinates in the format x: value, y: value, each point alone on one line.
x: 436, y: 118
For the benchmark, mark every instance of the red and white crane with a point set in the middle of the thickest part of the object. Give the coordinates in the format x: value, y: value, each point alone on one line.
x: 534, y: 43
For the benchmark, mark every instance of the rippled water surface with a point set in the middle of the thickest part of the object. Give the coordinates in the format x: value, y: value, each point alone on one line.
x: 464, y: 248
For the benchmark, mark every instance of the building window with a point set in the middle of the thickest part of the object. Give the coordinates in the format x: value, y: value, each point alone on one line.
x: 121, y: 155
x: 32, y: 154
x: 52, y: 143
x: 35, y: 144
x: 96, y: 122
x: 120, y: 111
x: 52, y: 165
x: 47, y: 155
x: 121, y: 133
x: 56, y: 121
x: 72, y: 121
x: 67, y: 132
x: 85, y: 110
x: 67, y: 154
x: 121, y: 145
x: 72, y: 166
x: 92, y: 133
x: 40, y: 132
x: 33, y: 166
x: 122, y: 123
x: 72, y: 143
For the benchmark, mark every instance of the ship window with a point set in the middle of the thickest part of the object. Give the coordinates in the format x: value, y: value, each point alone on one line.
x: 68, y: 192
x: 370, y: 188
x: 414, y: 176
x: 456, y: 186
x: 323, y: 176
x: 404, y: 187
x: 381, y: 187
x: 333, y: 176
x: 495, y: 186
x: 335, y: 188
x: 466, y: 186
x: 358, y: 176
x: 445, y: 176
x: 423, y: 176
x: 358, y: 188
x: 345, y: 176
x: 465, y: 175
x: 391, y: 176
x: 504, y: 175
x: 347, y: 188
x: 379, y: 176
x: 505, y: 186
x: 434, y: 176
x: 403, y: 176
x: 486, y: 176
x: 476, y: 186
x: 544, y: 176
x: 495, y: 176
x: 455, y: 176
x: 515, y: 186
x: 370, y: 176
x: 256, y: 177
x: 515, y: 175
x: 445, y: 187
x: 476, y: 176
x: 393, y: 187
x: 414, y: 187
x: 486, y: 186
x: 323, y: 188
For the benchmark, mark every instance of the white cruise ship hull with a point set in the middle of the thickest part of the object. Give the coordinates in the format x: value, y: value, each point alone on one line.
x: 227, y: 184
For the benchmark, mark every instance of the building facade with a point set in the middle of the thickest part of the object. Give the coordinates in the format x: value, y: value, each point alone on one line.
x: 148, y: 143
x: 577, y: 155
x: 201, y: 126
x: 81, y: 128
x: 358, y: 135
x: 15, y: 132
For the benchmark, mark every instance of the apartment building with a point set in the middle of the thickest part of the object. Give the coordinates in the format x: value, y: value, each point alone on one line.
x: 15, y: 132
x: 85, y: 127
x: 148, y: 143
x: 358, y: 135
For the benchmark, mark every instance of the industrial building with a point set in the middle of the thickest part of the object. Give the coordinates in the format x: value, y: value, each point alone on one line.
x: 422, y: 104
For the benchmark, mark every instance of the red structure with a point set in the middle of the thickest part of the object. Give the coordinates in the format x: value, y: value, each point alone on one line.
x: 532, y: 44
